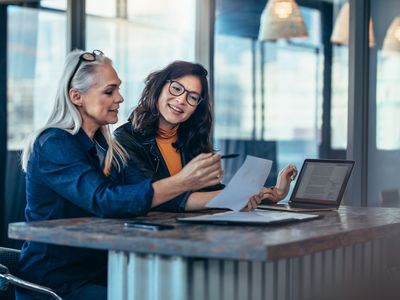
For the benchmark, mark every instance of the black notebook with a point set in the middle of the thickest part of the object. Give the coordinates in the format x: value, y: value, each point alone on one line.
x: 257, y: 217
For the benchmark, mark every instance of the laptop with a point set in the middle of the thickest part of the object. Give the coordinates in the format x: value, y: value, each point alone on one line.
x: 320, y: 186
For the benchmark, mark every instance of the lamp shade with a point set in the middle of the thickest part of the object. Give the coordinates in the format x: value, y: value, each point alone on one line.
x: 391, y: 43
x: 340, y: 33
x: 281, y: 19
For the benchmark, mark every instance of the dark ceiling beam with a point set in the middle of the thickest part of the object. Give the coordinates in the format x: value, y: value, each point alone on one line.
x: 3, y: 116
x: 357, y: 137
x: 76, y: 25
x: 19, y: 2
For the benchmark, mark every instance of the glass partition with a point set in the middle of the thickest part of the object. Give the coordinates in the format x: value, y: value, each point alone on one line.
x: 36, y: 51
x: 269, y: 95
x: 146, y: 37
x: 384, y: 103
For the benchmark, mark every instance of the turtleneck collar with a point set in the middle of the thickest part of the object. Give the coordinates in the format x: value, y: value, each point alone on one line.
x: 167, y: 134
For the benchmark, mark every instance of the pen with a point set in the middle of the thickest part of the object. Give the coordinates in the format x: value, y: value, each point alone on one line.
x: 229, y: 156
x: 147, y: 225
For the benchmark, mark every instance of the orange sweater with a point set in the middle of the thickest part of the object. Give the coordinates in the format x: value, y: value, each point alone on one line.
x: 164, y: 139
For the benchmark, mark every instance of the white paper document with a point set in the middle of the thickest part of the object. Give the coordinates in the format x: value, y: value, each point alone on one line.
x: 247, y: 181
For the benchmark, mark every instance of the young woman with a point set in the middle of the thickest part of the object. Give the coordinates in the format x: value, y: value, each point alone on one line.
x: 71, y: 169
x: 171, y: 125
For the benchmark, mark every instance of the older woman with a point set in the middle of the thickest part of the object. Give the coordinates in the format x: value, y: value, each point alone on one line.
x: 72, y: 168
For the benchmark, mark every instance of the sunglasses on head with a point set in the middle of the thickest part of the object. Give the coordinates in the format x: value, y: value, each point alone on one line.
x: 86, y: 56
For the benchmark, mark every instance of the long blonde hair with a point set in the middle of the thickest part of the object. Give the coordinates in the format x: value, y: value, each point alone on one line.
x: 67, y: 117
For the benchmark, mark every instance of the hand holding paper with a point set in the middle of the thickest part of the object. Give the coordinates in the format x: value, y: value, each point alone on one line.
x: 247, y: 181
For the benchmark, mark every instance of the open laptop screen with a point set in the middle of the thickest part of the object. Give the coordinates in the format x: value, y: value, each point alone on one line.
x: 322, y: 181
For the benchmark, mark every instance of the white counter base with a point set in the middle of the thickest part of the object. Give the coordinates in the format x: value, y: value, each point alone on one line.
x: 134, y: 276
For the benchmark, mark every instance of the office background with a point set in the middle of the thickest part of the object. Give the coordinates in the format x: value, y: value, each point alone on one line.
x: 285, y: 100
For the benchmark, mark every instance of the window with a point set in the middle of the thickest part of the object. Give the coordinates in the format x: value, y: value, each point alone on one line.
x: 36, y: 50
x: 146, y: 37
x: 384, y: 106
x: 104, y: 9
x: 388, y: 102
x: 267, y: 94
x: 340, y: 85
x: 54, y: 4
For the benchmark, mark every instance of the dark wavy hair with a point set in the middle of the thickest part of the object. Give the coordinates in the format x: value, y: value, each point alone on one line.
x: 193, y: 134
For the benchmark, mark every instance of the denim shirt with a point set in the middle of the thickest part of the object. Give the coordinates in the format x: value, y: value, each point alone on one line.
x: 64, y: 179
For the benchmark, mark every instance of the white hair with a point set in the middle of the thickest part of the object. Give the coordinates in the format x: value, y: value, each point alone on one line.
x: 67, y: 117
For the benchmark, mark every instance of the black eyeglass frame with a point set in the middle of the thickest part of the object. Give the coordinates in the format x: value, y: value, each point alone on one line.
x: 184, y: 90
x: 86, y: 56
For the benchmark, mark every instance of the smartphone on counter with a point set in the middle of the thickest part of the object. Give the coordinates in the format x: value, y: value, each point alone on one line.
x: 147, y: 225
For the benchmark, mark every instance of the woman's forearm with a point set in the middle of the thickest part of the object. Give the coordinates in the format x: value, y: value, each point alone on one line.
x: 202, y: 171
x: 198, y: 200
x: 166, y: 189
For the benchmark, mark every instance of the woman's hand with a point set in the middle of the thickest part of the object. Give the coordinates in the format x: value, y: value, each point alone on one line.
x: 202, y: 171
x: 281, y: 189
x: 253, y: 202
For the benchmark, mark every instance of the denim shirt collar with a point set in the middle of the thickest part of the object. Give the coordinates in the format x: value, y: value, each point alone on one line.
x: 87, y: 143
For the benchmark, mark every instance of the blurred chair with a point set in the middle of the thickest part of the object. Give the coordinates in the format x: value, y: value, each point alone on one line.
x: 14, y: 197
x: 262, y: 149
x: 8, y: 265
x: 390, y: 198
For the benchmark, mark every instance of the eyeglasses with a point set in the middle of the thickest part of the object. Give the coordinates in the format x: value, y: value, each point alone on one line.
x: 177, y: 89
x: 87, y: 56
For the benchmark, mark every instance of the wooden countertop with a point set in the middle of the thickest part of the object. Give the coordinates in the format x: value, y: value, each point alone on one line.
x: 347, y: 226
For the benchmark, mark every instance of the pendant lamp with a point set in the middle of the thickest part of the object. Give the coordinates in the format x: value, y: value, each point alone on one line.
x: 391, y: 43
x: 281, y: 19
x: 340, y: 33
